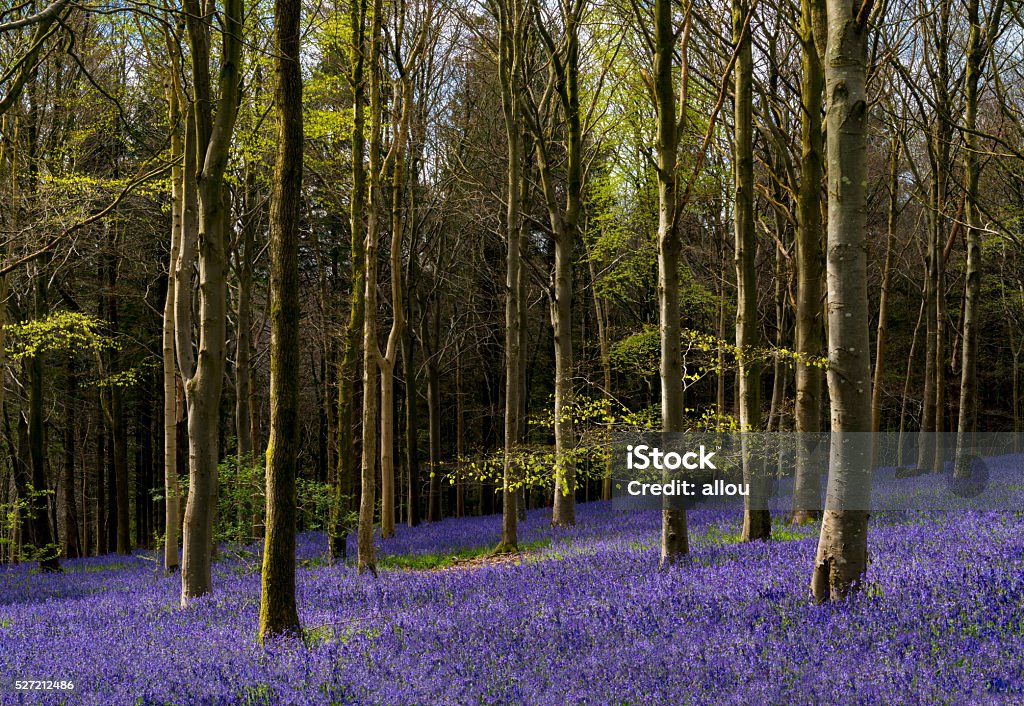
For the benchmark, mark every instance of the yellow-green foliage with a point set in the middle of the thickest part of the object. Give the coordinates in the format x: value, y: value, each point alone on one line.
x: 58, y: 331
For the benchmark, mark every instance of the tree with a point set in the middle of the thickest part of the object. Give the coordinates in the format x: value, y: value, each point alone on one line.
x: 809, y: 265
x: 674, y: 540
x: 563, y: 57
x: 206, y: 156
x: 757, y: 523
x: 979, y: 43
x: 172, y: 495
x: 510, y: 16
x: 406, y: 61
x: 278, y: 613
x: 841, y: 558
x: 348, y: 371
x: 371, y: 351
x: 46, y: 22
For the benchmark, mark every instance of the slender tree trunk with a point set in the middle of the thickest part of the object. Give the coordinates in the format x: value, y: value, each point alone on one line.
x: 882, y: 331
x: 841, y: 557
x: 371, y: 354
x: 387, y: 360
x: 604, y: 349
x: 411, y: 428
x: 72, y: 542
x: 809, y: 263
x: 49, y: 552
x: 776, y: 413
x: 564, y: 510
x: 348, y: 372
x: 977, y: 51
x: 460, y: 439
x: 720, y: 332
x: 526, y: 182
x: 564, y: 68
x: 243, y: 353
x: 6, y: 177
x: 508, y: 14
x: 434, y: 418
x: 115, y: 404
x: 387, y: 449
x: 144, y: 467
x: 674, y: 540
x: 170, y: 425
x: 101, y: 465
x: 756, y: 518
x: 278, y: 613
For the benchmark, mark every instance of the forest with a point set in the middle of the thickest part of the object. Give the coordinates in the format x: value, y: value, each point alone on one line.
x: 323, y: 326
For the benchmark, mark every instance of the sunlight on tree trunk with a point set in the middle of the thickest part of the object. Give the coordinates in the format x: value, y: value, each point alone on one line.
x: 278, y: 614
x: 841, y: 558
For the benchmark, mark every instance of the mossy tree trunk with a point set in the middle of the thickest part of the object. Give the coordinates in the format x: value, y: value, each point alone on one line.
x: 278, y: 613
x: 345, y: 480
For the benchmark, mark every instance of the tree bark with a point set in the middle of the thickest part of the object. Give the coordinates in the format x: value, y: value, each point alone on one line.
x: 348, y: 372
x: 508, y: 14
x: 69, y: 518
x: 809, y: 263
x: 882, y: 331
x: 390, y: 356
x: 203, y: 384
x: 841, y: 557
x: 278, y: 613
x: 977, y: 50
x: 674, y: 539
x: 756, y: 517
x: 371, y: 353
x: 411, y: 427
x: 48, y: 551
x: 563, y: 63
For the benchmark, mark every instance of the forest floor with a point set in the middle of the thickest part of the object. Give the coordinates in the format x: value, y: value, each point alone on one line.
x: 583, y: 617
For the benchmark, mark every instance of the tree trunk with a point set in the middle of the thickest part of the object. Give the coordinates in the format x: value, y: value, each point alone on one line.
x: 6, y: 156
x: 977, y: 51
x: 243, y: 352
x: 564, y: 76
x: 510, y: 56
x: 434, y: 421
x: 367, y: 497
x: 411, y: 427
x: 809, y: 264
x: 348, y: 372
x: 882, y: 331
x: 387, y: 361
x: 49, y: 552
x: 72, y: 542
x: 881, y: 335
x: 756, y: 518
x: 841, y: 557
x: 387, y: 449
x: 674, y: 540
x: 278, y: 613
x: 170, y: 418
x: 115, y: 404
x: 101, y: 467
x: 604, y: 350
x: 204, y: 382
x: 460, y: 439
